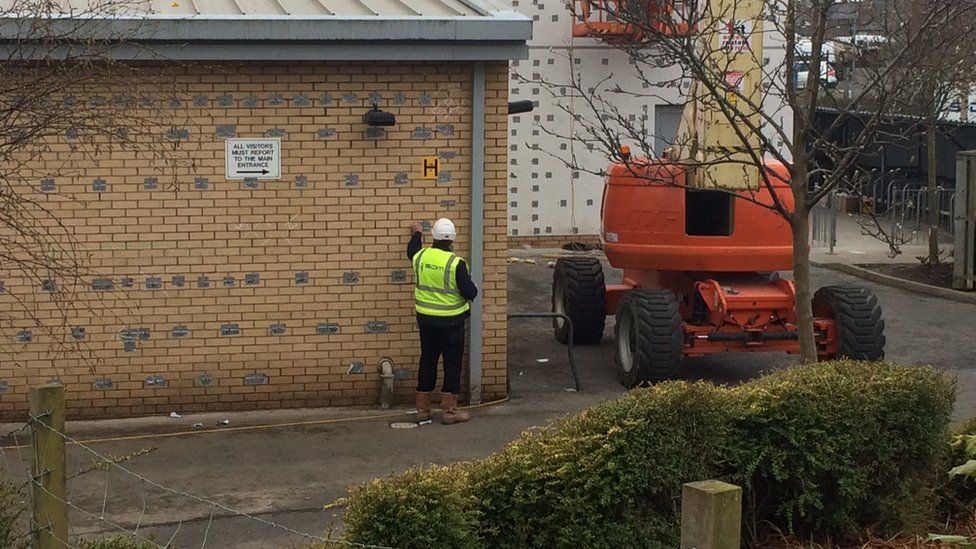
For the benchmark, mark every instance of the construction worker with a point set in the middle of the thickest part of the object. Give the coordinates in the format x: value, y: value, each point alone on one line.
x: 442, y: 292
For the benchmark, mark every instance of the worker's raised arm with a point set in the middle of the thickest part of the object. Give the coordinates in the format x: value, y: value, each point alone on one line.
x: 416, y: 239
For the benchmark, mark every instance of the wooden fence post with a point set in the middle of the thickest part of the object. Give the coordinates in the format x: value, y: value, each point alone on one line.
x: 711, y: 515
x: 49, y: 501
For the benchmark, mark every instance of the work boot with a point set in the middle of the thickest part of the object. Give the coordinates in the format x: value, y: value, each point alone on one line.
x: 423, y: 406
x: 450, y: 413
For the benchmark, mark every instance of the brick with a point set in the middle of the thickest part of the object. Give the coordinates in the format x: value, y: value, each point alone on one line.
x: 276, y: 230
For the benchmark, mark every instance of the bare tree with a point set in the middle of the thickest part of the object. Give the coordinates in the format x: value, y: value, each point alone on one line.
x: 62, y: 102
x: 945, y: 77
x: 771, y: 111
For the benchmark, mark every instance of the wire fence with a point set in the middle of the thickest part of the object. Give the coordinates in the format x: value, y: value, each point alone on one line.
x: 98, y: 511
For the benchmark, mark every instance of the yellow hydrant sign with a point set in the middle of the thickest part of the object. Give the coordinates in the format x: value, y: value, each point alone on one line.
x: 253, y: 158
x: 430, y: 167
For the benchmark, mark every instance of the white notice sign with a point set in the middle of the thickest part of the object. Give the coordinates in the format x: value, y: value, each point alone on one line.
x: 253, y: 158
x: 735, y: 35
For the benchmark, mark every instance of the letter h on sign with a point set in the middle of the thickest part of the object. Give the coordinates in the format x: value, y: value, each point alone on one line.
x: 430, y: 167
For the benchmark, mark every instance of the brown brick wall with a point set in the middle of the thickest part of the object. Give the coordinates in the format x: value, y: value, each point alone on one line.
x: 231, y: 230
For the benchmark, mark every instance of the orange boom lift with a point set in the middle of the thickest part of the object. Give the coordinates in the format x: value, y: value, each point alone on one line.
x: 700, y: 255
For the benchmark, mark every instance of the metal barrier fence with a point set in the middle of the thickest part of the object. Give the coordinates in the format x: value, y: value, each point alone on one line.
x: 907, y: 213
x: 902, y: 206
x: 823, y: 224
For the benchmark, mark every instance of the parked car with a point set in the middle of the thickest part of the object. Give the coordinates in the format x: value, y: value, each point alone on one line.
x: 828, y: 72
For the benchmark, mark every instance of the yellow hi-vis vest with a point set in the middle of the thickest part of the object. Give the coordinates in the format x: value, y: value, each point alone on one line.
x: 436, y: 291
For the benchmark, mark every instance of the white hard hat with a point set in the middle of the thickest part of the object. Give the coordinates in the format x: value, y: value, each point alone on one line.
x: 443, y: 229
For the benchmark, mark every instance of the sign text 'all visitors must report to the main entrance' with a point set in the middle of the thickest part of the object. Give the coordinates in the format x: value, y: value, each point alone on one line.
x: 253, y: 158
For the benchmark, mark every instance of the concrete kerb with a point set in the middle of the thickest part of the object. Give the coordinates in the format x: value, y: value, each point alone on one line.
x: 912, y: 286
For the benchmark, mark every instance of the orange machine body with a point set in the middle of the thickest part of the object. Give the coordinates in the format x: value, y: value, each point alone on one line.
x: 727, y: 290
x: 644, y: 224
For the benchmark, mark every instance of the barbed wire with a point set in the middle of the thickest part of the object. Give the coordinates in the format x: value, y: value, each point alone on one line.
x: 23, y: 427
x: 206, y: 533
x: 179, y: 527
x: 63, y: 542
x: 89, y: 514
x: 215, y: 505
x: 142, y: 514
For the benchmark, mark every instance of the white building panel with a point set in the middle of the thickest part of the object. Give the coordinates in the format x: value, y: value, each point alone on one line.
x: 546, y: 196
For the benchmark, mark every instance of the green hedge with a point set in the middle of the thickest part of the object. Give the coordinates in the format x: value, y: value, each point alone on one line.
x: 820, y: 450
x: 435, y: 504
x: 958, y: 494
x: 833, y: 448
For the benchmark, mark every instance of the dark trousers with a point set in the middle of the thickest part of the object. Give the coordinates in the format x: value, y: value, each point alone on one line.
x: 434, y: 342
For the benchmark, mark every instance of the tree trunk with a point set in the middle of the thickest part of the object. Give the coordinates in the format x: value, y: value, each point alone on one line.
x: 933, y: 196
x: 800, y: 226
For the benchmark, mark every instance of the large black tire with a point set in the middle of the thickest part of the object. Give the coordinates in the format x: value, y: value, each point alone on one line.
x: 650, y: 337
x: 579, y: 292
x: 860, y: 328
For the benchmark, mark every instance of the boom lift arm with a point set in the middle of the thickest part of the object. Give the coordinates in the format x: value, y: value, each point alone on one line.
x: 714, y: 143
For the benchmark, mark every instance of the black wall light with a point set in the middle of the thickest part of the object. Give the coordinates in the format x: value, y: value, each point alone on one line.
x: 377, y: 118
